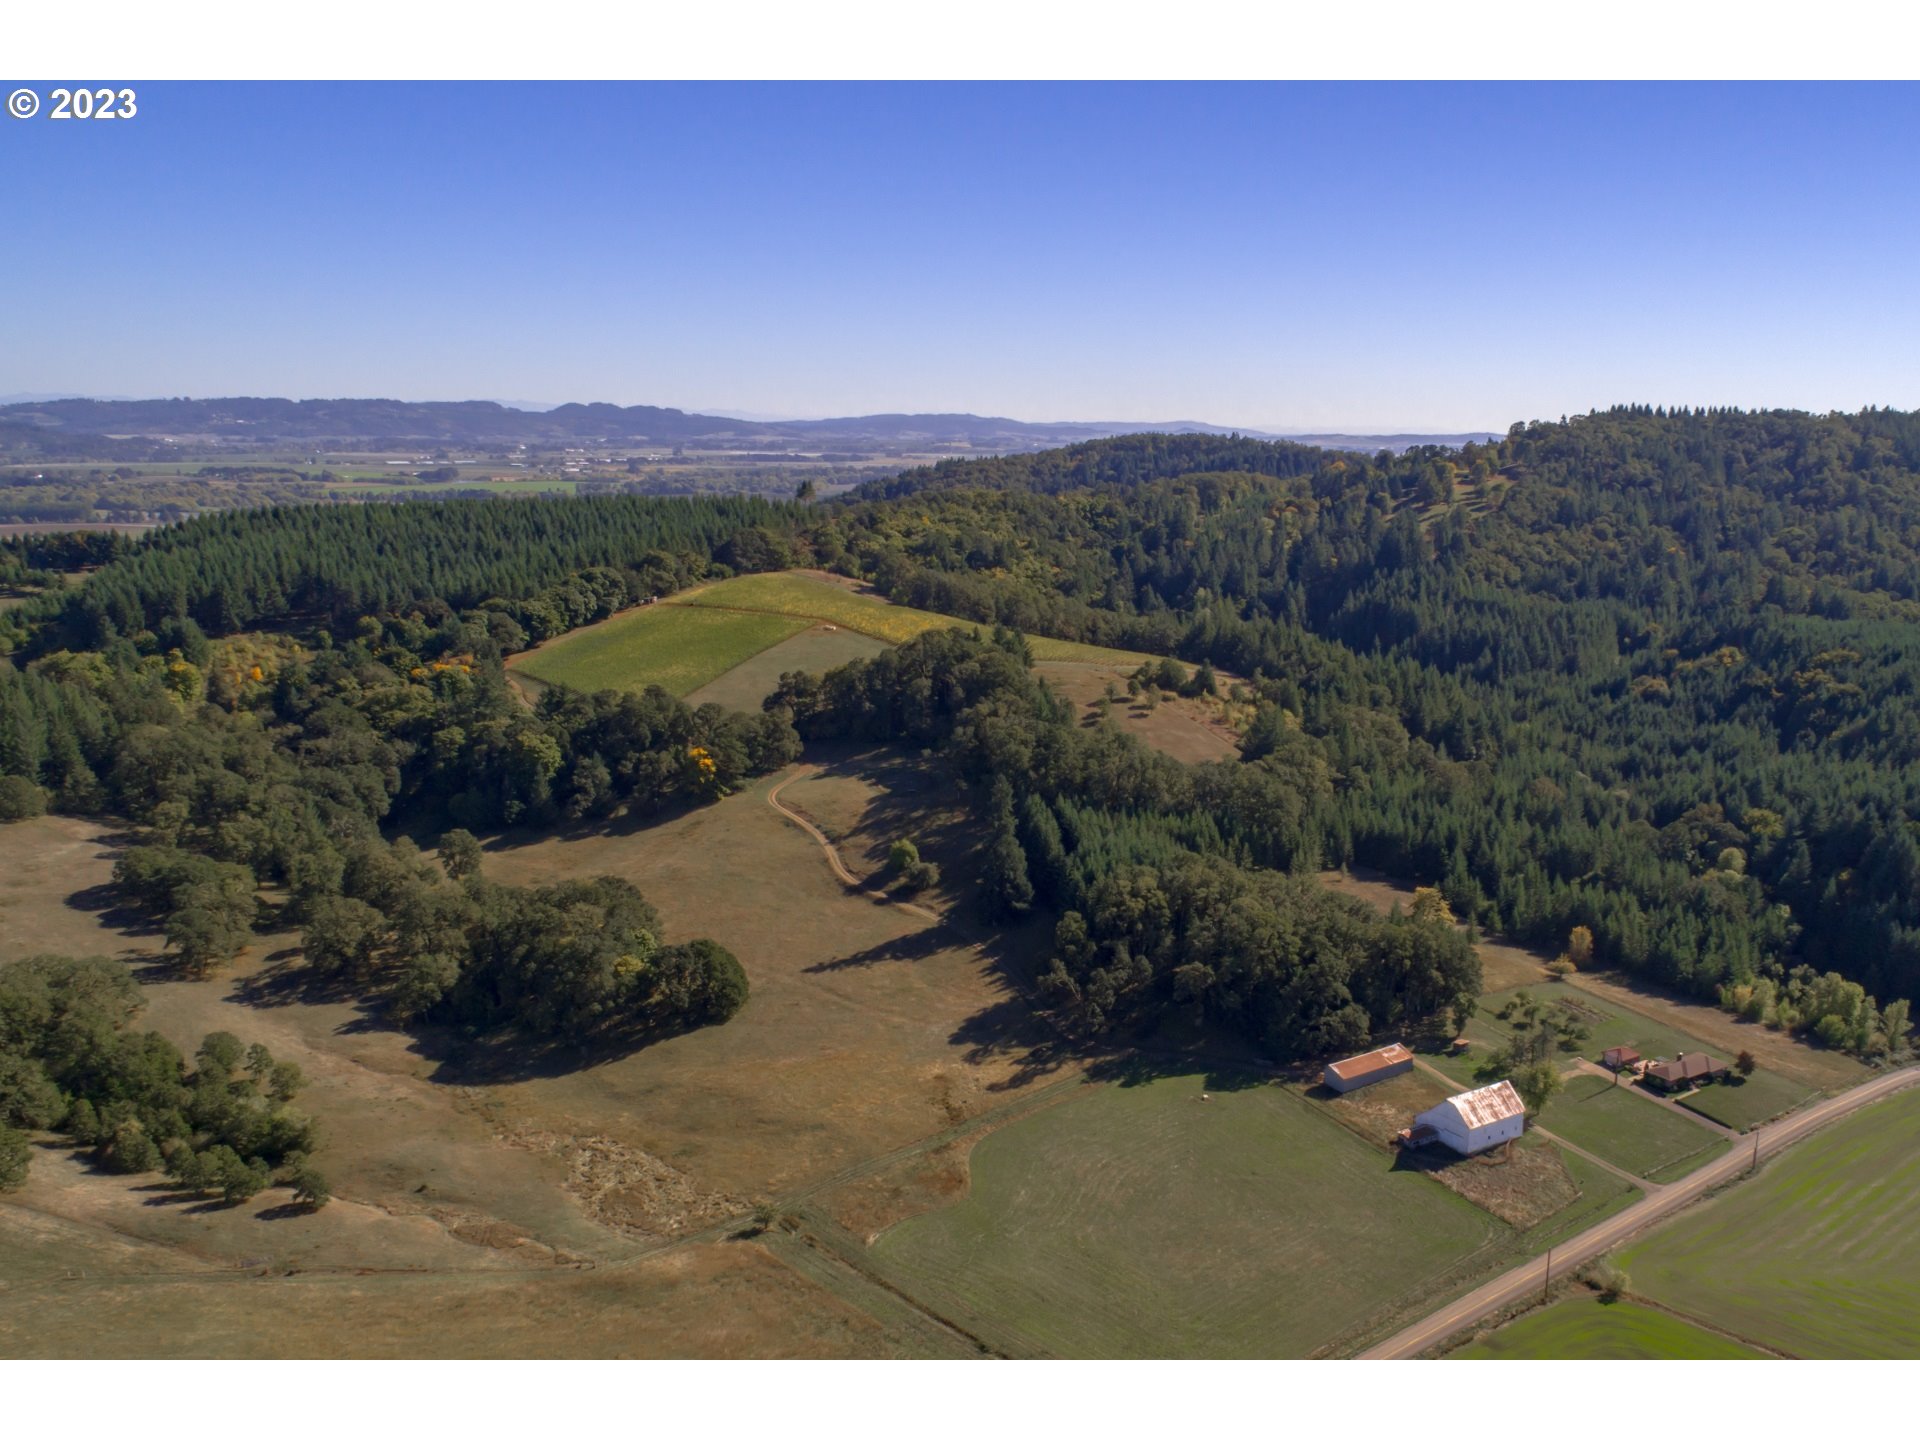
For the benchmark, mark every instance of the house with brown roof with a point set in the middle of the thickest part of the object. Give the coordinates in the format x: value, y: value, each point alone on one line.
x: 1620, y: 1057
x: 1375, y: 1065
x: 1684, y: 1071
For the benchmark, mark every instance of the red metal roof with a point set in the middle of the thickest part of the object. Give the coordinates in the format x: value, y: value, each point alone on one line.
x: 1373, y: 1060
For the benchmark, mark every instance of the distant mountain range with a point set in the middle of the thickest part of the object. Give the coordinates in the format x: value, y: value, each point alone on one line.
x: 48, y: 427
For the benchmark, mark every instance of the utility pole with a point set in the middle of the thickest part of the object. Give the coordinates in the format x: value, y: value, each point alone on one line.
x: 1546, y: 1285
x: 1756, y: 1153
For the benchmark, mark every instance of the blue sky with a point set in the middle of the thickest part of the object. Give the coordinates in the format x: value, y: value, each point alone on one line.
x: 1290, y: 256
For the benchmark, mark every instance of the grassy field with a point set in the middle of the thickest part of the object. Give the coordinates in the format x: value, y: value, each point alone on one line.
x: 1585, y: 1329
x: 1818, y: 1256
x: 815, y: 650
x: 1140, y: 1220
x: 796, y: 594
x: 1742, y: 1104
x: 677, y: 647
x: 1627, y: 1130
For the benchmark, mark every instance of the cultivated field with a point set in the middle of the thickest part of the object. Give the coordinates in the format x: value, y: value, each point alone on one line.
x: 1142, y: 1220
x: 676, y: 647
x: 1818, y: 1256
x: 1585, y: 1328
x: 1627, y: 1130
x: 814, y: 650
x: 815, y: 597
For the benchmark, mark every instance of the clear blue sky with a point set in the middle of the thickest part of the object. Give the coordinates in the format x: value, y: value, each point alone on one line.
x: 1297, y: 256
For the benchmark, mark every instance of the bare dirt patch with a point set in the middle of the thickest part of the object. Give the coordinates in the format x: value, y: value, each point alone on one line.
x: 1522, y: 1184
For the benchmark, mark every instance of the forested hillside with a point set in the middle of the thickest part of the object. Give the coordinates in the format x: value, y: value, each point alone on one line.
x: 1651, y: 673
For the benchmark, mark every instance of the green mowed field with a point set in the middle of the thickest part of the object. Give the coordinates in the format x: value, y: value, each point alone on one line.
x: 1643, y: 1138
x: 1817, y: 1256
x: 1586, y: 1329
x: 1742, y: 1104
x: 814, y: 650
x: 1140, y: 1220
x: 677, y: 647
x: 788, y: 593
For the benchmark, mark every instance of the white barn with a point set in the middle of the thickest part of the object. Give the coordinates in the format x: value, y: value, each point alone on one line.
x: 1474, y: 1121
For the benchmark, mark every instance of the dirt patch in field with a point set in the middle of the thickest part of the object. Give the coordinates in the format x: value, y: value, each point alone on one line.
x: 629, y: 1189
x: 1522, y: 1184
x: 871, y: 1204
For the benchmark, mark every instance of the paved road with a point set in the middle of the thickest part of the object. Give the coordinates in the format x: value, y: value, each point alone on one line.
x: 1516, y: 1284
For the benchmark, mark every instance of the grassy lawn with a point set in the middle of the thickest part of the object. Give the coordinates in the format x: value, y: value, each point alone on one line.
x: 1742, y: 1104
x: 1817, y: 1256
x: 1139, y: 1220
x: 788, y: 593
x: 677, y: 647
x: 1621, y: 1127
x: 1586, y: 1329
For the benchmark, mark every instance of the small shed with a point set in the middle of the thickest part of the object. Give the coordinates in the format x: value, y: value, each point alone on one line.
x: 1685, y: 1070
x: 1475, y: 1120
x: 1620, y: 1057
x: 1381, y: 1064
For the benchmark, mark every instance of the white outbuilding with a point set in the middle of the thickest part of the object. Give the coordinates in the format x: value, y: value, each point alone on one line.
x: 1473, y: 1121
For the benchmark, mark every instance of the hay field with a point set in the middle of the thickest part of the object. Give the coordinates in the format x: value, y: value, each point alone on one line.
x: 1140, y: 1220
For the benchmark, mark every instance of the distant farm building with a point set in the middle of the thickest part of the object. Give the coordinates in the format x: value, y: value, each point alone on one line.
x: 1471, y: 1122
x: 1620, y: 1057
x: 1381, y: 1064
x: 1684, y: 1071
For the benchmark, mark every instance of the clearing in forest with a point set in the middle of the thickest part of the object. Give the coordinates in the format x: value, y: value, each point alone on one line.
x: 675, y: 647
x: 1818, y: 1256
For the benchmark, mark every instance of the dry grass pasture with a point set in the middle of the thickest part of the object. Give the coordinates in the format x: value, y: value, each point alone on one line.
x: 1191, y: 730
x: 525, y: 1209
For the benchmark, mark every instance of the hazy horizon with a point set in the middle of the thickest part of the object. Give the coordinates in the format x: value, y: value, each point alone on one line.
x: 1357, y: 258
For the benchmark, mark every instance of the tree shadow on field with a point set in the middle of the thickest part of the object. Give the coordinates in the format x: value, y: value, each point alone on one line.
x: 916, y: 945
x: 110, y: 907
x: 505, y: 1056
x: 1143, y: 1067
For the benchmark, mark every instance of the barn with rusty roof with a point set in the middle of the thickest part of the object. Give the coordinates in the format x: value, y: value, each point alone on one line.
x: 1381, y: 1064
x: 1473, y: 1121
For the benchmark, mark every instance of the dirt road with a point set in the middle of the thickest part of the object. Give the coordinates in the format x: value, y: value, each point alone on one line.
x: 1517, y: 1284
x: 845, y: 876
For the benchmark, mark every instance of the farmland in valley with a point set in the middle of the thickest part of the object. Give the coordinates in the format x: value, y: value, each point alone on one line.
x: 1143, y: 1220
x: 1818, y: 1256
